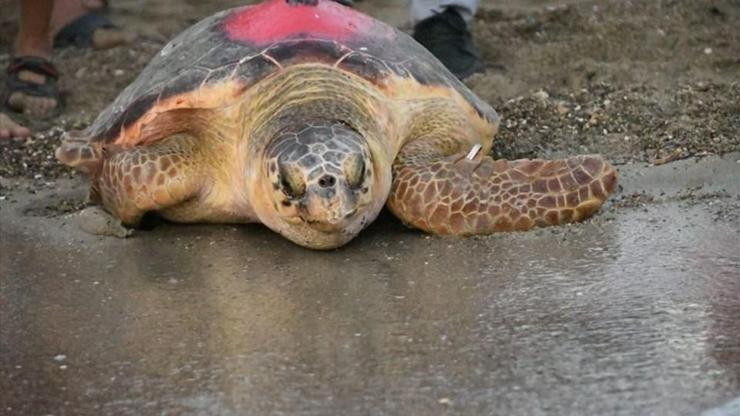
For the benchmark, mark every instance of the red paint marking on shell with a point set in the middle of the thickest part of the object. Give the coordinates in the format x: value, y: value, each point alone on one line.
x: 276, y: 20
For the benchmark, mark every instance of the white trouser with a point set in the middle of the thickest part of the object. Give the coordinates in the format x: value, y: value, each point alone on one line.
x: 421, y: 9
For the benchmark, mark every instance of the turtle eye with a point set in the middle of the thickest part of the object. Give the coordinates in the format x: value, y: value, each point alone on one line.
x: 291, y: 182
x: 354, y: 170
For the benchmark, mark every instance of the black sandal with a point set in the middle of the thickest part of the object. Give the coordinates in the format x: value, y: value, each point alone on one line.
x: 39, y: 66
x: 80, y: 31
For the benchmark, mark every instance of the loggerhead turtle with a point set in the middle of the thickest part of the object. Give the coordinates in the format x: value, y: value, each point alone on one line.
x: 308, y: 116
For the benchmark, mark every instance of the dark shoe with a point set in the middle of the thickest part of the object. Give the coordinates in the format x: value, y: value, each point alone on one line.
x: 447, y: 37
x: 80, y: 31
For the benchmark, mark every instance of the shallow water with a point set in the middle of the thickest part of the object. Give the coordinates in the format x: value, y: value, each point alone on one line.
x: 637, y: 312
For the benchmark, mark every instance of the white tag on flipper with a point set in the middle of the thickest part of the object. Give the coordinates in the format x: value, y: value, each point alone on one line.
x: 474, y: 152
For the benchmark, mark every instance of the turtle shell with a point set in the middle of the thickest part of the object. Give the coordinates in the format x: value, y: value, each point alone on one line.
x: 215, y: 60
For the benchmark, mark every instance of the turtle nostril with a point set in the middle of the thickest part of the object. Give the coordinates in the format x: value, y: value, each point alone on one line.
x: 327, y: 181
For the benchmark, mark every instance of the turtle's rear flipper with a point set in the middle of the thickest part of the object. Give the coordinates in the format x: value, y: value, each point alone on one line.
x: 460, y: 196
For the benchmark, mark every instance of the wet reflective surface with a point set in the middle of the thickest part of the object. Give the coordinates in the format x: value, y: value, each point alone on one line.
x: 636, y: 312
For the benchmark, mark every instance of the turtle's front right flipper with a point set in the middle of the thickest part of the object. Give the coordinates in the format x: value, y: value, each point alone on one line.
x: 460, y: 196
x: 159, y: 177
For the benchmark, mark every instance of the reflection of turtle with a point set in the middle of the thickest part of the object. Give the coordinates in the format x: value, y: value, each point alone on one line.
x: 308, y: 116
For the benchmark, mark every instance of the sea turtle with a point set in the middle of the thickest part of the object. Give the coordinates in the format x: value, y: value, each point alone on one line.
x: 308, y: 117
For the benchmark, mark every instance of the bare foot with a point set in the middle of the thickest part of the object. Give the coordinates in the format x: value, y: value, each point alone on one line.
x: 10, y: 129
x: 110, y: 37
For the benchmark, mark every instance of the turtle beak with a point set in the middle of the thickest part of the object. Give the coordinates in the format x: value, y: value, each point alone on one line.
x: 328, y: 205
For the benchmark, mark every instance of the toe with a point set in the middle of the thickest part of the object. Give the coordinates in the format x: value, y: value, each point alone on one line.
x: 10, y: 129
x: 20, y: 131
x: 31, y: 105
x: 36, y: 106
x: 47, y: 105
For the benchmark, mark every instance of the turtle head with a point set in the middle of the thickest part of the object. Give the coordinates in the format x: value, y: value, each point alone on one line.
x: 323, y: 186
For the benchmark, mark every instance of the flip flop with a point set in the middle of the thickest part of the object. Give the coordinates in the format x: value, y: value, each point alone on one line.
x: 37, y: 65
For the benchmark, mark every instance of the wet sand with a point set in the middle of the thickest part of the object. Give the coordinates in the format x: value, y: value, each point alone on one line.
x: 634, y: 312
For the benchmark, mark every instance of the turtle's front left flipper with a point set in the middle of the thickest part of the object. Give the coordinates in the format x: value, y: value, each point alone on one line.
x: 459, y: 196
